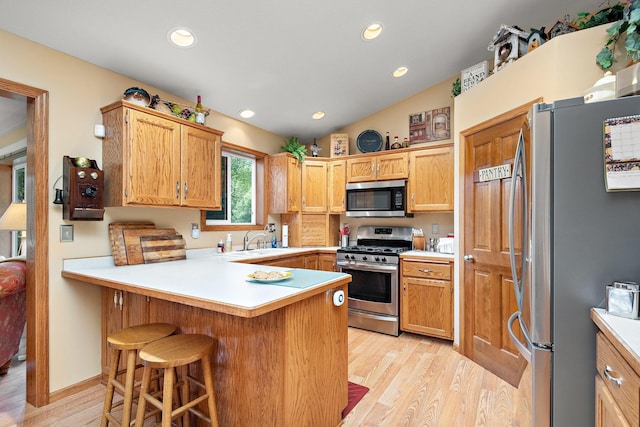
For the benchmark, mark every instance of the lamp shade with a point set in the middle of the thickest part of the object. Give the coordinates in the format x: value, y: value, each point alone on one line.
x: 15, y: 217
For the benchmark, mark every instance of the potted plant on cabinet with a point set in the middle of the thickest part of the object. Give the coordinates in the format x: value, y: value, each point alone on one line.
x: 292, y: 146
x: 629, y: 28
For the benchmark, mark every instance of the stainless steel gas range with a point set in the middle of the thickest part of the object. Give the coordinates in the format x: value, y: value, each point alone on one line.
x: 374, y: 264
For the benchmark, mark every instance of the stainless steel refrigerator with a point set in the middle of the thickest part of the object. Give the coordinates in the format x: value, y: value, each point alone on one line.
x: 577, y: 238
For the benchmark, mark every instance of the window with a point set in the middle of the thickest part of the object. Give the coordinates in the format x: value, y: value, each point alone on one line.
x: 18, y: 195
x: 236, y: 204
x: 238, y: 183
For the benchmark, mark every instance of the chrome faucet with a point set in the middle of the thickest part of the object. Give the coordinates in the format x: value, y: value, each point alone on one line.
x: 247, y: 241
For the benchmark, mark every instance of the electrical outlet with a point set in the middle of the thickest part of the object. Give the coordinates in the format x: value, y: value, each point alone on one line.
x: 272, y: 228
x: 435, y: 229
x: 195, y: 230
x: 66, y: 233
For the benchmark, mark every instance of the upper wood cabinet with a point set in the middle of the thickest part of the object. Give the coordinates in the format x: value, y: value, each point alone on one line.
x: 337, y: 176
x: 153, y: 159
x: 314, y: 186
x: 378, y: 167
x: 430, y: 184
x: 284, y: 184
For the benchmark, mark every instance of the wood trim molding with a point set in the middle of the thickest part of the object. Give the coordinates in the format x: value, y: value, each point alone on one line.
x: 37, y: 183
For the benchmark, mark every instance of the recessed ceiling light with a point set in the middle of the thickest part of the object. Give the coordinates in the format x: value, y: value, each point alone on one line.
x: 318, y: 115
x: 246, y: 114
x: 400, y: 71
x: 181, y: 37
x: 372, y: 31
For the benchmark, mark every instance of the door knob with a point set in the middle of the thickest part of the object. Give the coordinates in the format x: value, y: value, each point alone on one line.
x: 468, y: 258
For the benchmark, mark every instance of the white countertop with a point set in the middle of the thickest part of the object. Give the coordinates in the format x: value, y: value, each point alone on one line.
x: 205, y: 275
x: 626, y: 330
x: 427, y: 254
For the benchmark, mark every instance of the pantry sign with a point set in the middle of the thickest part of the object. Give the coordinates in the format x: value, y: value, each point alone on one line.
x: 496, y: 172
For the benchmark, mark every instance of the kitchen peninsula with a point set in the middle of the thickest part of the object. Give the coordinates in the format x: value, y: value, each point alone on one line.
x: 281, y: 354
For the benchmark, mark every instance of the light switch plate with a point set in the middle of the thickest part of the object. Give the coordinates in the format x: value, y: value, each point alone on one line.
x: 66, y: 233
x: 435, y: 229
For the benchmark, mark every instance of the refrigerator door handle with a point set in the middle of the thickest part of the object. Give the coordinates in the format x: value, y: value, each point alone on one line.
x: 519, y: 171
x: 524, y: 349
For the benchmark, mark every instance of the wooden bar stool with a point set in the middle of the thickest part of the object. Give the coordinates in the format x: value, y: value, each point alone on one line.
x: 128, y: 340
x: 178, y: 351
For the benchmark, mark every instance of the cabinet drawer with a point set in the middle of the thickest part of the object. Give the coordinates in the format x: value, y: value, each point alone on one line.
x: 625, y: 391
x: 433, y: 270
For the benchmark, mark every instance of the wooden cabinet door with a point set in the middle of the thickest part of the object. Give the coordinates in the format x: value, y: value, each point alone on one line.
x: 426, y: 307
x: 361, y: 169
x: 284, y: 184
x: 153, y: 160
x: 327, y: 262
x: 314, y: 186
x: 430, y: 185
x: 120, y: 310
x: 337, y: 173
x: 608, y: 414
x: 314, y: 230
x: 311, y: 262
x: 290, y: 262
x: 293, y: 185
x: 200, y: 169
x: 392, y: 166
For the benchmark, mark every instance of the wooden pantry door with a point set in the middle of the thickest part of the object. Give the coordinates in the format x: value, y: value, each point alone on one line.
x: 487, y: 298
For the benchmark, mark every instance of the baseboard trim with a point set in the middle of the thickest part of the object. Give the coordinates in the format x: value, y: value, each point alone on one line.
x: 74, y: 389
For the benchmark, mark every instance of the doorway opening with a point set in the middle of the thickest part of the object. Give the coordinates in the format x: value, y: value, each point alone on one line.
x: 37, y: 184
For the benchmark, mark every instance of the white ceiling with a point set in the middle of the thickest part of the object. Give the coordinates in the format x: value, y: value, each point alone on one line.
x: 284, y: 59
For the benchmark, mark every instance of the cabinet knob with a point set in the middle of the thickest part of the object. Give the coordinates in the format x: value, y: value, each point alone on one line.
x: 186, y: 190
x: 468, y: 258
x: 424, y: 270
x: 177, y: 189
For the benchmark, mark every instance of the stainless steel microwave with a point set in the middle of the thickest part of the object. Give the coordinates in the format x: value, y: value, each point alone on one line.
x: 377, y: 199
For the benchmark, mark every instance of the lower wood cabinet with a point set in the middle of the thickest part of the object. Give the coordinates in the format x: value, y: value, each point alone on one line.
x: 617, y: 387
x: 327, y: 262
x: 120, y: 310
x: 288, y: 262
x: 426, y: 299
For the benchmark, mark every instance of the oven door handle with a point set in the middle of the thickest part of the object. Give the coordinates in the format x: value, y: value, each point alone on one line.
x: 366, y: 267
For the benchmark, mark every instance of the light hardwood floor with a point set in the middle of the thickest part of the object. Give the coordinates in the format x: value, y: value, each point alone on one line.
x: 413, y: 381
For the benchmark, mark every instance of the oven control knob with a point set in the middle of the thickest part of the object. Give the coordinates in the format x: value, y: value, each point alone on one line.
x: 384, y: 259
x: 377, y: 259
x: 364, y: 258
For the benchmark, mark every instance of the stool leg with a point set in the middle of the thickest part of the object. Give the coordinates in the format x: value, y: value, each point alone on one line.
x: 128, y: 387
x: 208, y: 383
x: 108, y: 400
x: 142, y: 399
x: 167, y: 397
x: 185, y: 394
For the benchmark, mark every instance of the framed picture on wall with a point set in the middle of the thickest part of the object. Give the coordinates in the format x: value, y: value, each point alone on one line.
x: 417, y: 127
x: 432, y: 125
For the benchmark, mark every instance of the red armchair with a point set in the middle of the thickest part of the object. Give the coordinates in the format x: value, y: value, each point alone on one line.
x: 13, y: 310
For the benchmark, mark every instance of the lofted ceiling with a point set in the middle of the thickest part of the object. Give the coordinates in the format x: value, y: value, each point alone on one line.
x: 284, y: 59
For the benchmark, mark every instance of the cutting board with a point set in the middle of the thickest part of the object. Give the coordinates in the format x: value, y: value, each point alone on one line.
x: 116, y: 238
x: 132, y: 241
x: 162, y: 248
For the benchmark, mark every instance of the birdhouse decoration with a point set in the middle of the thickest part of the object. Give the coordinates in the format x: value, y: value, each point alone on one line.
x: 509, y: 44
x: 561, y: 27
x: 536, y: 39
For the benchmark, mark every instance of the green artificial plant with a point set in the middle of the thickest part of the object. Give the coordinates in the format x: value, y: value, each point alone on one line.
x: 456, y: 88
x: 292, y: 146
x: 629, y: 27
